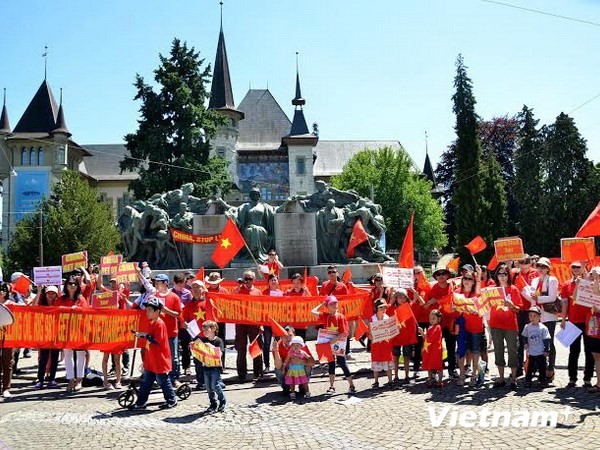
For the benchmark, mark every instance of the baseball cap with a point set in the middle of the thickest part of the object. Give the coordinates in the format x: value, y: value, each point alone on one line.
x: 161, y: 277
x: 297, y: 340
x: 535, y: 309
x: 52, y: 289
x: 468, y: 268
x: 330, y: 299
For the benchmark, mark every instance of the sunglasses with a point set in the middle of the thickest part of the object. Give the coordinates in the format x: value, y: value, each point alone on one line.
x: 248, y: 279
x: 272, y: 254
x: 70, y: 283
x: 539, y: 266
x: 332, y: 271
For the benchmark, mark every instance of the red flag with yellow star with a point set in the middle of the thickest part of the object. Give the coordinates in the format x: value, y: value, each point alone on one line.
x: 407, y: 325
x: 432, y: 349
x: 358, y: 236
x: 230, y: 243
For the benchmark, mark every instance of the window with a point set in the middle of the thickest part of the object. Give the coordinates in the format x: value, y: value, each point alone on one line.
x: 24, y: 157
x: 32, y: 157
x: 221, y: 152
x: 300, y: 166
x: 40, y: 156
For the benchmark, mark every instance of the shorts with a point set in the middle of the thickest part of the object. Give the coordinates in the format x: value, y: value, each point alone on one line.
x: 402, y: 350
x: 474, y: 342
x: 381, y: 366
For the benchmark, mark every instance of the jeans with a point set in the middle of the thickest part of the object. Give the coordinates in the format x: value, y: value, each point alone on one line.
x: 164, y: 382
x: 450, y: 340
x: 6, y: 368
x: 45, y: 355
x: 574, y: 352
x: 552, y: 358
x: 536, y: 363
x: 212, y: 381
x: 186, y: 354
x: 341, y: 361
x: 174, y: 346
x: 199, y: 372
x: 267, y: 338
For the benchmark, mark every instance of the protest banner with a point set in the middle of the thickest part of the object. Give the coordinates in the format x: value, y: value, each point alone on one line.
x: 189, y: 238
x: 577, y: 249
x: 74, y: 328
x: 383, y: 330
x: 490, y: 297
x: 109, y: 264
x: 260, y: 310
x: 509, y: 249
x: 325, y: 336
x: 586, y: 294
x: 72, y: 261
x: 464, y: 304
x: 207, y: 354
x: 397, y: 277
x: 127, y: 272
x: 48, y: 275
x: 561, y: 270
x: 284, y: 284
x: 106, y: 299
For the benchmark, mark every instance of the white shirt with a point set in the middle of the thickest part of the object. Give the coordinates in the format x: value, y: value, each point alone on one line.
x: 549, y: 285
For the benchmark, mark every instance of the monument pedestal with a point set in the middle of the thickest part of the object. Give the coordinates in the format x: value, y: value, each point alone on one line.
x: 296, y: 238
x: 206, y: 225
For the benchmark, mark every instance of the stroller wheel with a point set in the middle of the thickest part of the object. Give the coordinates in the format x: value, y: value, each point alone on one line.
x: 126, y: 399
x: 184, y: 391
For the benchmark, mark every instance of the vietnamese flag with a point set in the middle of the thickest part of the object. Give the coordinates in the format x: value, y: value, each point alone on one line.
x: 591, y: 226
x: 407, y: 324
x: 358, y: 236
x: 406, y: 259
x: 277, y: 329
x: 453, y: 264
x: 200, y: 274
x: 520, y: 282
x: 324, y: 352
x: 254, y: 348
x: 432, y: 349
x: 361, y: 329
x: 493, y: 263
x: 21, y: 285
x: 476, y: 245
x: 230, y: 243
x: 347, y: 276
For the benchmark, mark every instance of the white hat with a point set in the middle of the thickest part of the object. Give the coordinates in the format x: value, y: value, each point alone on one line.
x: 297, y: 340
x: 52, y: 289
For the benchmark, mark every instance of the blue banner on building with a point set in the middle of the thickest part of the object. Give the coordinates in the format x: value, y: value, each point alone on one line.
x: 31, y: 186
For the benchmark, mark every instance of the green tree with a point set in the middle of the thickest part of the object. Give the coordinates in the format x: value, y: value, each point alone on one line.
x: 74, y: 219
x: 171, y: 146
x: 444, y: 174
x: 495, y: 204
x: 467, y: 198
x: 399, y: 190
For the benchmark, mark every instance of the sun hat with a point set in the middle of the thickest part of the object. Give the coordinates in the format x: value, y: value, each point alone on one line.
x: 213, y: 278
x: 52, y: 289
x: 544, y: 262
x: 297, y: 340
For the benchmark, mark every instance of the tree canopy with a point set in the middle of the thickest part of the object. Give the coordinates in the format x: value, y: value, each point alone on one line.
x: 399, y: 190
x: 171, y: 145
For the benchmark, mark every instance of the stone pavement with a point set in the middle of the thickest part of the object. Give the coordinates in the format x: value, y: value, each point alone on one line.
x: 257, y: 416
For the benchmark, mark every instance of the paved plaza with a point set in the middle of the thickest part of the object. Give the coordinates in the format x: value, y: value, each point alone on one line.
x: 257, y: 416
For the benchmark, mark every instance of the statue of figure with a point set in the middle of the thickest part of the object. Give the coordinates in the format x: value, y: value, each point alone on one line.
x: 255, y: 219
x: 318, y: 199
x: 128, y: 224
x: 183, y: 220
x: 330, y: 227
x: 362, y: 211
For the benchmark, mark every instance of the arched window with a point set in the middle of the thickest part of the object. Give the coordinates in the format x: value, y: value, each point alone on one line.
x: 40, y: 156
x: 24, y: 157
x: 32, y: 157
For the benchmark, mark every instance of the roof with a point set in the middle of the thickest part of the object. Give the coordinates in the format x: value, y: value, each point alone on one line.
x: 40, y: 115
x: 265, y: 123
x: 104, y: 163
x: 221, y: 92
x: 61, y: 125
x: 4, y: 123
x: 333, y: 155
x: 428, y: 170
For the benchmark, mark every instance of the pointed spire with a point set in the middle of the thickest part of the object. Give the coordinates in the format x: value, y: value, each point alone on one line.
x: 4, y: 124
x: 40, y: 115
x: 298, y: 100
x: 61, y: 125
x: 299, y: 123
x: 428, y: 167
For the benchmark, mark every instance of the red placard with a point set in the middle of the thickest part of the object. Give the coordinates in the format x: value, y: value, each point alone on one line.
x: 509, y: 249
x: 72, y: 261
x: 127, y: 272
x: 109, y: 264
x: 577, y: 249
x: 106, y: 299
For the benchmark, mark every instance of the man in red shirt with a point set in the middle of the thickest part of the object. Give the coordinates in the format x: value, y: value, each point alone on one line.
x: 577, y: 315
x: 157, y: 358
x: 421, y: 312
x: 171, y: 313
x: 245, y: 333
x: 333, y: 286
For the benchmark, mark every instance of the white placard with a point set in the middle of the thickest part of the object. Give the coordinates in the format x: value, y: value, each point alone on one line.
x: 193, y: 328
x: 585, y: 294
x: 567, y: 335
x: 48, y: 275
x: 385, y: 329
x: 397, y: 277
x: 276, y: 293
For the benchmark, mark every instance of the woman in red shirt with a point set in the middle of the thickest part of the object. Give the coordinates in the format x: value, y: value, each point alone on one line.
x: 274, y: 291
x: 469, y: 287
x: 505, y: 328
x: 74, y: 359
x: 47, y: 296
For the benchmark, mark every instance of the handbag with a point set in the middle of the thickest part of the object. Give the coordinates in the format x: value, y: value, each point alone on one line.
x: 554, y: 307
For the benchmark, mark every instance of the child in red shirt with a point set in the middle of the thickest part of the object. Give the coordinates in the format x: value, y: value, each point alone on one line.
x: 381, y: 352
x: 432, y: 349
x: 157, y: 358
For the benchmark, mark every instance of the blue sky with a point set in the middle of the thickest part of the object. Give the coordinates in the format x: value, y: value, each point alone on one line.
x: 369, y: 70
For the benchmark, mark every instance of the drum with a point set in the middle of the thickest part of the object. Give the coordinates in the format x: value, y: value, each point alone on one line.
x: 6, y: 317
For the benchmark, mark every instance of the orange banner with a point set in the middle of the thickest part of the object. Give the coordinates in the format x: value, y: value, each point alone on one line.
x: 79, y: 329
x: 72, y: 261
x: 561, y: 270
x: 285, y: 284
x: 577, y: 249
x: 509, y: 249
x: 296, y: 311
x: 189, y: 238
x: 106, y: 299
x: 109, y: 264
x: 127, y: 272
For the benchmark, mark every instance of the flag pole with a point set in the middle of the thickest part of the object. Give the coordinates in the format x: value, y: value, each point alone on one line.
x: 252, y: 256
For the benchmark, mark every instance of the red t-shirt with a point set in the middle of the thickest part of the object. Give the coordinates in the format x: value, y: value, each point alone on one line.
x: 66, y: 302
x: 473, y: 321
x: 488, y: 283
x: 328, y: 289
x: 528, y: 277
x: 245, y: 291
x: 443, y: 294
x: 575, y: 313
x: 157, y: 358
x: 504, y: 318
x: 369, y: 307
x: 292, y: 293
x: 267, y: 291
x: 381, y: 351
x: 218, y: 289
x: 273, y: 268
x: 191, y: 308
x: 284, y: 350
x: 336, y: 322
x: 421, y: 312
x: 172, y: 301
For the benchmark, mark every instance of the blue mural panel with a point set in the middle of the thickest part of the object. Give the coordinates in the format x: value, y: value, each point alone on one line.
x: 31, y: 186
x: 272, y: 177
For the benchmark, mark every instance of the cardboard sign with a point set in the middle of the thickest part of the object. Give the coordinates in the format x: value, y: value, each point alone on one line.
x: 207, y: 354
x: 48, y: 276
x: 509, y: 249
x: 109, y: 264
x: 397, y: 277
x: 72, y: 261
x: 325, y: 336
x: 127, y: 272
x: 491, y: 297
x: 577, y: 249
x: 106, y: 299
x: 464, y: 304
x: 383, y: 330
x: 586, y: 294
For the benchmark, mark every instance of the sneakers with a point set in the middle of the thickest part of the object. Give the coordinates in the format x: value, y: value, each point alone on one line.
x: 168, y: 405
x: 108, y: 386
x: 307, y: 395
x: 375, y: 385
x: 7, y: 394
x: 38, y: 385
x: 571, y: 384
x: 221, y: 407
x: 293, y: 395
x: 118, y: 385
x: 136, y: 407
x: 330, y: 391
x: 52, y: 384
x: 211, y: 409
